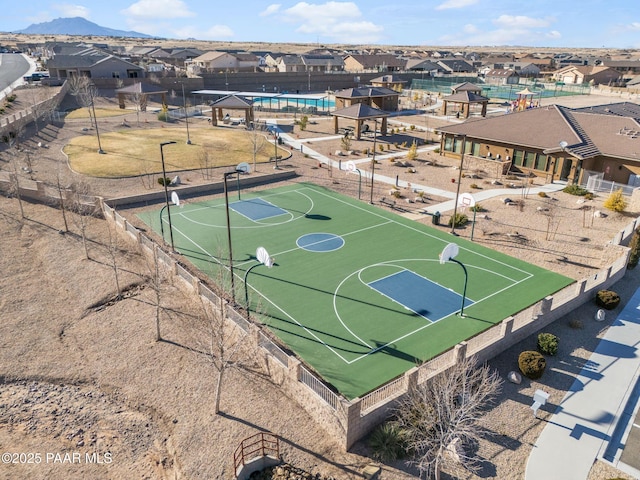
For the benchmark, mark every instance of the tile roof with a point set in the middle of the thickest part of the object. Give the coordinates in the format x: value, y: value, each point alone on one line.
x: 587, y: 132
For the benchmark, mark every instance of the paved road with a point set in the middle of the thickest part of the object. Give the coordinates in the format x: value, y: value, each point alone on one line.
x: 13, y: 66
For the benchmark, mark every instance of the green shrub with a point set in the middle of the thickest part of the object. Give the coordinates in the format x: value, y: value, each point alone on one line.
x: 607, y: 299
x: 542, y: 194
x: 574, y: 189
x: 461, y: 220
x: 588, y: 196
x: 532, y: 364
x: 11, y: 98
x: 547, y: 343
x: 303, y: 122
x: 477, y: 208
x: 387, y: 443
x: 634, y: 247
x: 616, y: 202
x: 164, y: 181
x: 163, y: 116
x: 474, y: 186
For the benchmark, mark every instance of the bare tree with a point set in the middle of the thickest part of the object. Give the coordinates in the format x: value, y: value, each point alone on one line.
x: 81, y: 88
x: 257, y: 140
x: 204, y: 159
x: 62, y: 196
x: 112, y: 251
x: 12, y: 138
x: 83, y: 206
x: 219, y: 341
x: 441, y: 417
x: 41, y: 103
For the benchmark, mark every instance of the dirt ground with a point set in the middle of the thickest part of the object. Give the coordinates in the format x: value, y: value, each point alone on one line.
x: 87, y: 392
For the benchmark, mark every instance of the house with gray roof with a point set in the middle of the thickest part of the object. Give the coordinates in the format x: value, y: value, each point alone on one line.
x: 554, y: 142
x: 92, y: 66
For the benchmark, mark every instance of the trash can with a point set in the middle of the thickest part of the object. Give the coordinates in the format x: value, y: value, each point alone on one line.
x: 435, y: 218
x: 280, y: 141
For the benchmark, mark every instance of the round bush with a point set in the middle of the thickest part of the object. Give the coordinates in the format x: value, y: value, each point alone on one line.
x: 548, y: 343
x: 607, y: 299
x: 531, y: 364
x: 461, y: 220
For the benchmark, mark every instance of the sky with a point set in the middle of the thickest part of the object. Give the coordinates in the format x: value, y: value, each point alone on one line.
x: 539, y: 23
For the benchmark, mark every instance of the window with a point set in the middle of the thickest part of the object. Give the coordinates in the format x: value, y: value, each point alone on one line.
x: 518, y: 155
x: 115, y: 74
x: 529, y: 158
x: 448, y: 144
x: 541, y: 162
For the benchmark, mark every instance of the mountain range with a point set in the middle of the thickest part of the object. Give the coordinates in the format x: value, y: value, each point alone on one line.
x: 77, y: 26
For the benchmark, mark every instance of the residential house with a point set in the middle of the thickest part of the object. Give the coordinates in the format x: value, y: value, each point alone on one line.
x: 555, y: 142
x: 524, y: 69
x: 424, y: 65
x: 625, y: 67
x: 92, y: 66
x: 502, y: 77
x: 215, y: 61
x: 455, y: 66
x: 374, y: 63
x: 596, y: 75
x: 290, y: 63
x: 322, y: 63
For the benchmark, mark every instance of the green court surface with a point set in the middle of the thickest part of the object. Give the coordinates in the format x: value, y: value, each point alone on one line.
x: 357, y: 292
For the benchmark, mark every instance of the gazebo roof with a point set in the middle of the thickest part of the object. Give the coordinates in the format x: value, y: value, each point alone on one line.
x: 466, y: 97
x: 231, y: 102
x: 466, y: 86
x: 140, y: 87
x: 365, y: 92
x: 360, y: 111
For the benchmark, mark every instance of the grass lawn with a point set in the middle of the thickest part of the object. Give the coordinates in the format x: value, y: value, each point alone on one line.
x: 100, y: 113
x: 131, y: 152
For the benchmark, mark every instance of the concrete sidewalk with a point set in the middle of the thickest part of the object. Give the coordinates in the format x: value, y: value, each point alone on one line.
x: 437, y: 207
x: 584, y: 424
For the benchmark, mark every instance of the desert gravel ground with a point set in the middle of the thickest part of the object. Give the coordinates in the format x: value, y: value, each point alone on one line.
x: 79, y: 378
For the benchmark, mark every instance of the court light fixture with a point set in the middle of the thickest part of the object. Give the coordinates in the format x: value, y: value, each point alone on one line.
x: 449, y: 253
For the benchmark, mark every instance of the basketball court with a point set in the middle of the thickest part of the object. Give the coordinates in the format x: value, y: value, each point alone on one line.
x: 357, y: 292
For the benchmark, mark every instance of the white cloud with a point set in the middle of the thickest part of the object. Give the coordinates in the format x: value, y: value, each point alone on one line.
x: 215, y: 32
x: 554, y: 34
x: 520, y: 21
x: 70, y: 11
x: 634, y: 26
x: 270, y: 10
x: 449, y: 4
x: 158, y: 9
x: 339, y: 21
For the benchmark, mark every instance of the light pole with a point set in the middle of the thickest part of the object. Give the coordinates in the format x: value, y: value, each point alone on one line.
x: 455, y: 205
x: 263, y: 257
x: 448, y: 253
x: 166, y: 192
x: 373, y: 158
x: 186, y: 114
x: 226, y: 202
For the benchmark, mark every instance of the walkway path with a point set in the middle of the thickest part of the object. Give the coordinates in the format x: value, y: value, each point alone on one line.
x: 438, y: 207
x: 583, y: 427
